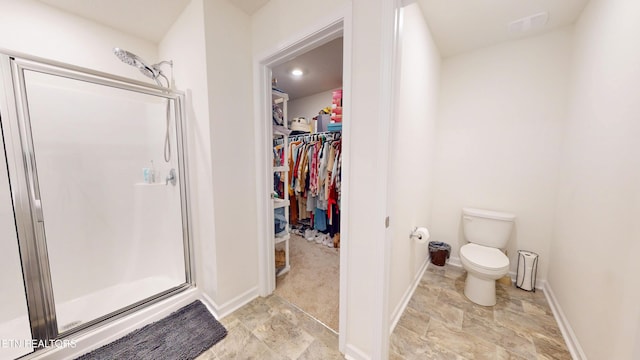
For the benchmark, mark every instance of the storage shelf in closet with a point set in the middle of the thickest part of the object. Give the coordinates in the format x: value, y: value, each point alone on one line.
x: 278, y: 203
x: 283, y: 270
x: 281, y: 133
x: 280, y: 239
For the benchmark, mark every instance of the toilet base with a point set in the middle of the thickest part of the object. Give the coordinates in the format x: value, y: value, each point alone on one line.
x: 480, y: 291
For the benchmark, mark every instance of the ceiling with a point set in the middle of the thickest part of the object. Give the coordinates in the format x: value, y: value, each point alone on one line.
x: 147, y: 19
x: 322, y: 68
x: 459, y: 26
x: 249, y: 6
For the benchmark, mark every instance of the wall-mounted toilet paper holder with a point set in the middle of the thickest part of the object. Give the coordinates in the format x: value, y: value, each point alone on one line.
x: 420, y: 235
x: 415, y: 233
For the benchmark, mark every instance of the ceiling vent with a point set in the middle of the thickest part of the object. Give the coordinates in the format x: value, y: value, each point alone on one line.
x: 528, y: 23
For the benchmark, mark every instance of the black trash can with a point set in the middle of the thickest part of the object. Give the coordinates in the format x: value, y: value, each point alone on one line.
x: 439, y: 252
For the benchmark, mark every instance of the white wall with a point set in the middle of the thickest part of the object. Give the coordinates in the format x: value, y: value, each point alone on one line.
x: 366, y: 231
x: 594, y: 255
x: 213, y: 65
x: 501, y: 120
x: 367, y: 136
x: 309, y: 106
x: 230, y: 84
x: 185, y: 44
x: 413, y: 151
x: 37, y: 29
x: 278, y: 20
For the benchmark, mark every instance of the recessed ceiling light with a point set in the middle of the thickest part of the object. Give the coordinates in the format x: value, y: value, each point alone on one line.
x: 296, y: 72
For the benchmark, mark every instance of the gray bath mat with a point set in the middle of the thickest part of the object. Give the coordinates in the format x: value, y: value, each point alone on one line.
x: 183, y: 335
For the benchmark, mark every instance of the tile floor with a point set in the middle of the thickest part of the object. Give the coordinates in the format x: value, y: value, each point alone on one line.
x: 271, y: 328
x: 439, y: 323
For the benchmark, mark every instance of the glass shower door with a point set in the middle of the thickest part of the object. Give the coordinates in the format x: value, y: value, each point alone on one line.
x: 111, y: 206
x: 15, y: 332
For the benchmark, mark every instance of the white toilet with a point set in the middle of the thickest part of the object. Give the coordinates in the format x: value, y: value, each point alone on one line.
x: 487, y: 233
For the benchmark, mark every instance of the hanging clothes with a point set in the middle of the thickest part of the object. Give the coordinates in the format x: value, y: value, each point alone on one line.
x: 314, y: 180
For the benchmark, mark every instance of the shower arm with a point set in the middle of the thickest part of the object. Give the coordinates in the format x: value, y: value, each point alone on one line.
x: 158, y: 71
x: 165, y: 62
x: 160, y: 82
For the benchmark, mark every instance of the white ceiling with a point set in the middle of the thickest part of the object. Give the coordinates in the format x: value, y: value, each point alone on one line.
x: 249, y: 6
x: 322, y: 69
x: 463, y: 25
x: 457, y: 26
x: 147, y: 19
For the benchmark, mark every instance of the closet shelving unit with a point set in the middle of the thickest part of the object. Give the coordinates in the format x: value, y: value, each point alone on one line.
x: 280, y: 99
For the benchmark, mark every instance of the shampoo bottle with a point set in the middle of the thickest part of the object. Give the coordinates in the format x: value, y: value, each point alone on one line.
x: 152, y: 173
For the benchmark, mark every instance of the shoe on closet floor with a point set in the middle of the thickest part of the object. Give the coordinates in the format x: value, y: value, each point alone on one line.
x: 327, y: 241
x: 310, y: 235
x: 319, y: 238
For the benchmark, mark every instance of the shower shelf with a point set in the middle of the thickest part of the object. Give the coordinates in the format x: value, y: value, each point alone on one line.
x: 152, y: 184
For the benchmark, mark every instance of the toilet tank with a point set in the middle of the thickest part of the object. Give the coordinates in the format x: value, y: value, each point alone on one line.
x: 487, y: 227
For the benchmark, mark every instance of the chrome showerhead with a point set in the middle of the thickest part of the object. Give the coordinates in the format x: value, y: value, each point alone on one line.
x: 151, y: 71
x: 134, y: 60
x: 127, y: 57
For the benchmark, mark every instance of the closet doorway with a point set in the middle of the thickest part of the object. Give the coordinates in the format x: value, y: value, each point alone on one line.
x: 303, y: 135
x: 307, y: 144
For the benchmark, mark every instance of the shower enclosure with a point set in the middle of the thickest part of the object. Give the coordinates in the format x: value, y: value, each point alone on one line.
x: 93, y: 220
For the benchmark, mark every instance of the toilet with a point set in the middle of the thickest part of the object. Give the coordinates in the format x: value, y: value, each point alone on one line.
x: 483, y: 258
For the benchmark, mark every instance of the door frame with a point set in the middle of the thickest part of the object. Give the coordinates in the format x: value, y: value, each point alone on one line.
x: 330, y: 28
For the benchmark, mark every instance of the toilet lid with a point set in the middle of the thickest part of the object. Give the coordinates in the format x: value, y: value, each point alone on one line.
x: 484, y: 257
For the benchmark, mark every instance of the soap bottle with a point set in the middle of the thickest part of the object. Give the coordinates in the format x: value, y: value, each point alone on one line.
x: 152, y: 173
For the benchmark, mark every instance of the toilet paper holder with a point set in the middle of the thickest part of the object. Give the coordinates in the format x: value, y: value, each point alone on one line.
x: 527, y: 270
x: 415, y: 233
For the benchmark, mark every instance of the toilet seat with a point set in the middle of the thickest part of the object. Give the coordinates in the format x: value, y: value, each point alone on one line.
x: 485, y: 257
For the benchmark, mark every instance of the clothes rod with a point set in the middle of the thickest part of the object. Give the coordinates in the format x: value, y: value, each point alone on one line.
x: 324, y: 133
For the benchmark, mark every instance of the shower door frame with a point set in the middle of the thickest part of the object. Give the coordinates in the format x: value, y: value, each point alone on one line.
x: 23, y: 179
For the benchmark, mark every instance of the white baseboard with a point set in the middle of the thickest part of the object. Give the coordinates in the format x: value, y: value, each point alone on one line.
x: 540, y: 284
x: 406, y: 297
x: 220, y: 311
x: 353, y: 353
x: 567, y: 331
x: 210, y: 304
x: 454, y: 261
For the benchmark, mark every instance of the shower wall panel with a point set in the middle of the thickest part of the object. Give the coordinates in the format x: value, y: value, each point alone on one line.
x: 105, y: 226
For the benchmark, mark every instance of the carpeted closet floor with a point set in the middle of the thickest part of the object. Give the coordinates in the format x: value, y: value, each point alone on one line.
x: 313, y: 284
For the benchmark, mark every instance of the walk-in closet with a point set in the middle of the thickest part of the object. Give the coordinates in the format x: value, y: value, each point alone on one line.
x: 307, y: 170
